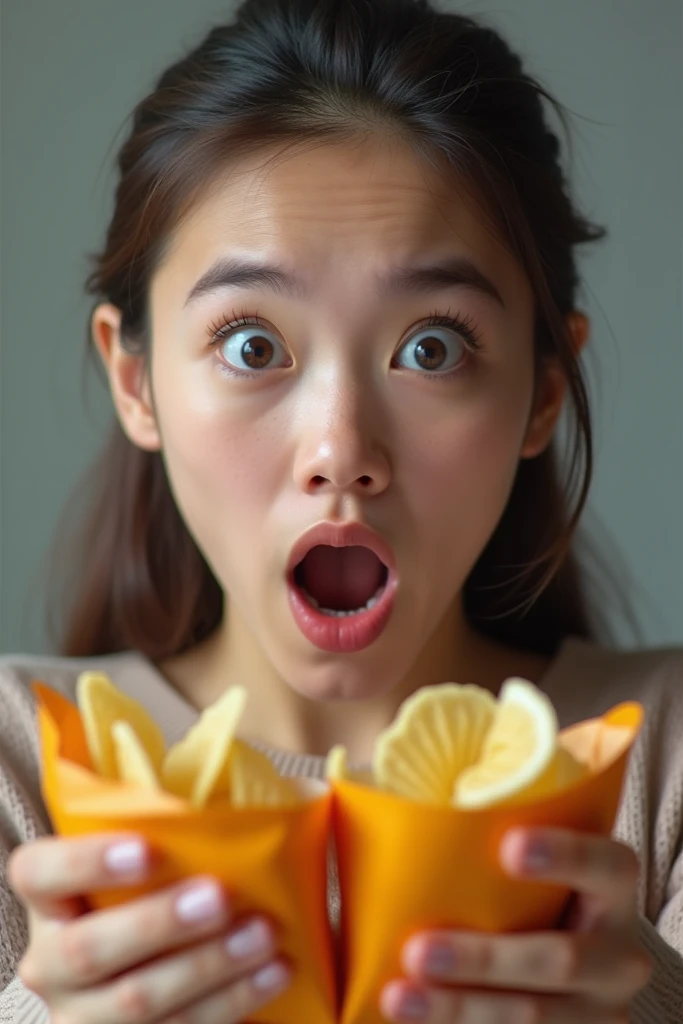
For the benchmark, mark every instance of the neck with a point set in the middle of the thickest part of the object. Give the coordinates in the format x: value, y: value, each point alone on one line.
x: 281, y: 717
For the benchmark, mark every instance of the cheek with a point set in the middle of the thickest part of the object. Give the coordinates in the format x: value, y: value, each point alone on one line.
x: 222, y: 460
x: 459, y: 471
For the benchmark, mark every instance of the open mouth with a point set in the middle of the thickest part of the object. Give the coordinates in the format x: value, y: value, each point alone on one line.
x: 341, y: 581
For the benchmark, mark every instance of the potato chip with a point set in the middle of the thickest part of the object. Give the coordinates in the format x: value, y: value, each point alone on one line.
x: 254, y: 780
x: 337, y: 763
x: 101, y: 704
x: 337, y: 767
x: 439, y: 732
x: 133, y: 762
x: 193, y: 767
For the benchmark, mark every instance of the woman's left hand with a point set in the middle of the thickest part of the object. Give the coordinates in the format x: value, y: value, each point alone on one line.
x: 588, y: 971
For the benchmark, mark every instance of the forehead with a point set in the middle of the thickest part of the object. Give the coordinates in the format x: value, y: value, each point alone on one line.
x: 338, y: 210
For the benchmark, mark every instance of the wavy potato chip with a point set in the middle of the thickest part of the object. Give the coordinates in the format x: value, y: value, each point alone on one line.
x: 254, y: 780
x: 132, y: 759
x: 208, y: 765
x: 439, y: 732
x: 101, y: 704
x: 193, y: 767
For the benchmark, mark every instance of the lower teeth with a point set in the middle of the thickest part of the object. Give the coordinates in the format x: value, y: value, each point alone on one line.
x: 344, y: 614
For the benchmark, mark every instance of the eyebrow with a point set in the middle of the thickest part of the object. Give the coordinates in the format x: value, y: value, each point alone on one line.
x: 451, y: 272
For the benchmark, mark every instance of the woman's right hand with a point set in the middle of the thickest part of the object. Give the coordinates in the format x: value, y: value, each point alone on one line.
x: 125, y: 964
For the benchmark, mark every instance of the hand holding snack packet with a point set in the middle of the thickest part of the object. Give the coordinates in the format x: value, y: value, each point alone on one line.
x: 208, y: 806
x: 420, y: 840
x: 588, y: 971
x: 177, y: 949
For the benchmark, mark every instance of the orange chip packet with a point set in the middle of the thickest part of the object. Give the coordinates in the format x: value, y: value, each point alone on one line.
x: 406, y: 867
x: 272, y: 860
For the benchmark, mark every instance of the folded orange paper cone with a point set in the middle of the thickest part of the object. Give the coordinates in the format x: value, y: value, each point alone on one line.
x: 271, y: 859
x: 406, y: 867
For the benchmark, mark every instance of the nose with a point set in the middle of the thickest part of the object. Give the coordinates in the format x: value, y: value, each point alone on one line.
x: 341, y: 448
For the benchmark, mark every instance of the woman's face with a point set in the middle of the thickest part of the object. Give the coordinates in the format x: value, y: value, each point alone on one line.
x: 337, y: 402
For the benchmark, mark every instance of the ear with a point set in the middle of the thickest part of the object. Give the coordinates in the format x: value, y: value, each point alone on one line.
x: 579, y: 330
x: 128, y: 380
x: 550, y: 391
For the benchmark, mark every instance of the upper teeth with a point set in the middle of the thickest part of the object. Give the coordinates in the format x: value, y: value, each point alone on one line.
x: 352, y: 611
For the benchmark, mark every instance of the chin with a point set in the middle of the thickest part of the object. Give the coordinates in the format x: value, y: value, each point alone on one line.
x: 341, y: 682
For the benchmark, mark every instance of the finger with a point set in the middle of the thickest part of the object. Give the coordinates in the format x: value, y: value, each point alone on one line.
x: 51, y: 874
x: 595, y: 865
x: 585, y: 964
x: 400, y: 1001
x: 105, y: 942
x: 202, y: 985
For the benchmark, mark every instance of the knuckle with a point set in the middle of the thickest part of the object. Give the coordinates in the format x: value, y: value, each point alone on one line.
x: 29, y: 975
x: 564, y: 961
x: 78, y: 951
x: 133, y: 1000
x: 14, y: 868
x: 154, y: 919
x: 481, y: 957
x: 554, y: 959
x: 208, y: 963
x: 19, y: 870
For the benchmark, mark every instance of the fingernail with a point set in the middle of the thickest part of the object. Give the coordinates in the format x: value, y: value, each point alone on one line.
x: 199, y: 904
x: 440, y: 960
x: 413, y: 1006
x: 536, y: 856
x: 271, y: 977
x: 127, y: 858
x: 254, y: 938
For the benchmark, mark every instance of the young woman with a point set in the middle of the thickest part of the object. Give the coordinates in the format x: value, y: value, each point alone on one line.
x: 337, y: 308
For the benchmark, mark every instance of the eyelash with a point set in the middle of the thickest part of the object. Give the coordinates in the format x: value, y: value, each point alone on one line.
x: 463, y: 325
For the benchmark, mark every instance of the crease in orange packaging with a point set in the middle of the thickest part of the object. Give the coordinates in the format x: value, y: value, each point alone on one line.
x: 403, y: 867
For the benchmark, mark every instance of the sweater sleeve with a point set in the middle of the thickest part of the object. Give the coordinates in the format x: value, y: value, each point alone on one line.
x: 22, y: 818
x: 657, y: 780
x: 661, y: 1001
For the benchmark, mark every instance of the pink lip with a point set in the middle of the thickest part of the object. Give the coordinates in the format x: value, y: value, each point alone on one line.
x: 341, y: 535
x: 351, y: 633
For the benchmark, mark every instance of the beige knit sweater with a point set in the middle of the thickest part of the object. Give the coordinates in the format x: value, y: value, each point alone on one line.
x: 583, y: 681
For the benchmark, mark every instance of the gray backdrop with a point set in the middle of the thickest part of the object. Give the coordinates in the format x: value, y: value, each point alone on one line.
x: 72, y: 71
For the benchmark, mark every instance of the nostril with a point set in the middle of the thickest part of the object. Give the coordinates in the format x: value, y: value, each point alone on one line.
x: 318, y: 480
x: 365, y: 480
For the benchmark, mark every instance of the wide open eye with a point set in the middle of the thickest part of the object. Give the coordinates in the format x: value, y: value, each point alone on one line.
x: 439, y: 347
x: 432, y: 349
x: 253, y: 348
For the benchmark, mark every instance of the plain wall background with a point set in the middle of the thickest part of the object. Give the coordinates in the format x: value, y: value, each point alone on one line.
x: 72, y: 71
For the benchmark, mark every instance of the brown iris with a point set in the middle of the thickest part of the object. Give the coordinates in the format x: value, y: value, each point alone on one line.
x: 257, y: 353
x: 430, y: 353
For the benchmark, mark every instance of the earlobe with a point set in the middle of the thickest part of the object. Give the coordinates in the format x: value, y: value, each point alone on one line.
x: 128, y: 379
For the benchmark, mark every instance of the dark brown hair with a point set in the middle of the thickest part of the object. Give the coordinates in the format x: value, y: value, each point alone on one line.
x: 298, y: 73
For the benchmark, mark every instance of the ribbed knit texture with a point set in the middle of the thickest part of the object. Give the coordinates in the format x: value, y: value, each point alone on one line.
x: 584, y: 681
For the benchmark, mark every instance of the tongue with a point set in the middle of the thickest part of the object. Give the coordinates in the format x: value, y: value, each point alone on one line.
x: 341, y: 579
